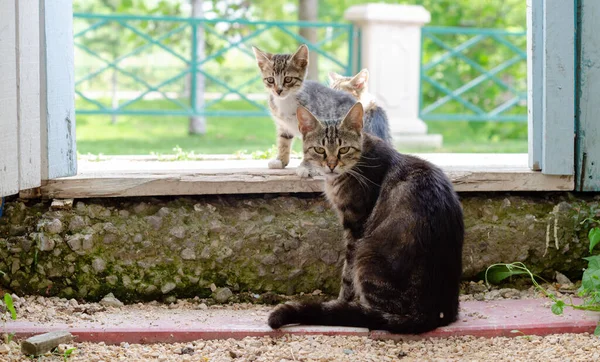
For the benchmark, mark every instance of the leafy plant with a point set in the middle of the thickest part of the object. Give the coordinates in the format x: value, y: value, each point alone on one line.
x: 590, y: 281
x: 8, y: 301
x: 68, y: 353
x: 10, y: 307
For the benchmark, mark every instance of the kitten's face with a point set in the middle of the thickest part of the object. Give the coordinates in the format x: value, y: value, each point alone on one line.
x: 332, y: 147
x: 356, y: 85
x: 283, y: 74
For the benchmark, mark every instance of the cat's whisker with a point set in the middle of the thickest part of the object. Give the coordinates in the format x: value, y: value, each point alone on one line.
x: 355, y: 175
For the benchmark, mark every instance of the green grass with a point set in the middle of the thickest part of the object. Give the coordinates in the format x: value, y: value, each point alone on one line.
x: 143, y: 135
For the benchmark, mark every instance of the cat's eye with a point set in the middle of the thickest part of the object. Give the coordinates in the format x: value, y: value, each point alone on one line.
x: 320, y: 150
x: 344, y: 150
x: 270, y: 80
x: 287, y: 79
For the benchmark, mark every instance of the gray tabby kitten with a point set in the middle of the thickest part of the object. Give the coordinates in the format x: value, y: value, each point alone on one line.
x: 283, y: 76
x: 357, y: 86
x: 403, y: 227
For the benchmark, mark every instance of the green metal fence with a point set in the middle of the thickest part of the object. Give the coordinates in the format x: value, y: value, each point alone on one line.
x: 473, y: 74
x: 136, y: 57
x: 122, y: 61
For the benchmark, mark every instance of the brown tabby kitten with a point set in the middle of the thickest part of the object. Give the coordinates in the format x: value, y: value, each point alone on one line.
x: 403, y: 226
x: 357, y: 86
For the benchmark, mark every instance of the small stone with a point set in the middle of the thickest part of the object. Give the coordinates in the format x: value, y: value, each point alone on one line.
x: 55, y: 226
x: 269, y: 260
x: 170, y: 299
x: 329, y: 256
x: 178, y: 232
x: 510, y: 293
x: 99, y: 265
x: 46, y: 243
x: 4, y: 349
x: 473, y: 288
x: 562, y: 279
x: 63, y: 347
x: 109, y: 238
x: 77, y: 223
x: 123, y: 213
x: 202, y: 306
x: 140, y: 208
x: 109, y: 300
x: 42, y: 343
x: 232, y: 354
x: 222, y: 295
x: 168, y: 287
x: 74, y: 242
x: 124, y: 345
x: 155, y: 221
x: 112, y: 279
x: 348, y: 351
x: 187, y: 350
x: 16, y: 265
x: 87, y: 242
x: 66, y: 204
x: 164, y: 211
x: 25, y: 244
x: 212, y: 287
x: 188, y: 254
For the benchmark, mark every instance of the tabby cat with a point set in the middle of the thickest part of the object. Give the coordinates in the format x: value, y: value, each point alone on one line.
x: 357, y: 86
x: 403, y: 228
x: 283, y: 76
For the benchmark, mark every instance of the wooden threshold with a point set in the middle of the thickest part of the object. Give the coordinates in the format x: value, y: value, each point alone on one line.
x: 122, y: 177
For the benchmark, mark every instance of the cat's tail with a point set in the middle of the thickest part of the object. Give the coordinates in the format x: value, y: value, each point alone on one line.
x: 349, y: 314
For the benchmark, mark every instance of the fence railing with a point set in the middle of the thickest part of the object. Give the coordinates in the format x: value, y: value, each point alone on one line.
x: 148, y: 65
x: 473, y: 74
x: 136, y: 58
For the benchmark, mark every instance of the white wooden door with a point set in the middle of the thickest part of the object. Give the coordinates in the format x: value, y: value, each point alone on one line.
x: 551, y: 27
x: 37, y: 112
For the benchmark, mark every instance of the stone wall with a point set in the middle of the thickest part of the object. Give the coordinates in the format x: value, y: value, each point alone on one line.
x: 150, y: 248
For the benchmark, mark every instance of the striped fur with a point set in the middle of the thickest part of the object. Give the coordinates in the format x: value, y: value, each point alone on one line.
x: 285, y: 95
x: 376, y: 120
x: 403, y: 228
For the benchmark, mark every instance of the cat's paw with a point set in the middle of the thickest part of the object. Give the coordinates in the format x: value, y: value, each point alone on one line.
x: 276, y: 163
x: 305, y: 172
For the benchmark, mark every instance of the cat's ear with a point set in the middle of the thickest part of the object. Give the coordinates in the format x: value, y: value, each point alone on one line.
x: 262, y: 58
x: 300, y: 57
x: 360, y: 80
x: 333, y: 76
x: 354, y: 118
x: 306, y: 121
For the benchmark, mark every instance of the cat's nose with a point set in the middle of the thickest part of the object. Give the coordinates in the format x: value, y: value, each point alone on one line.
x: 331, y: 165
x: 279, y: 91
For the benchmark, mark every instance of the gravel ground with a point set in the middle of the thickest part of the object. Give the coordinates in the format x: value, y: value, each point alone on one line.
x: 44, y: 309
x: 564, y: 347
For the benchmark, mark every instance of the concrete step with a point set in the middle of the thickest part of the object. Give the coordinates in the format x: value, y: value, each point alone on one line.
x: 479, y: 319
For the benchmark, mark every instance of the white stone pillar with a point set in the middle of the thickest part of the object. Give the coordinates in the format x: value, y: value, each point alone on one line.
x: 391, y: 51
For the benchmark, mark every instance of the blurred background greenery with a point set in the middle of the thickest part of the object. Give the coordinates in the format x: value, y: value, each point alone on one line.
x: 143, y: 135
